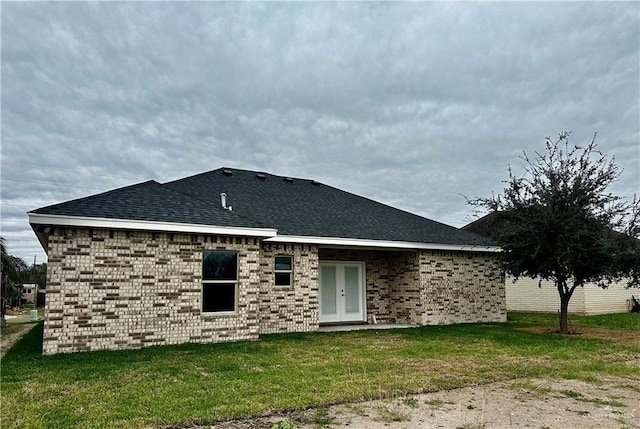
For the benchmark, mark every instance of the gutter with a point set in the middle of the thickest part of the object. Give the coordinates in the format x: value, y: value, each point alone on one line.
x: 378, y: 244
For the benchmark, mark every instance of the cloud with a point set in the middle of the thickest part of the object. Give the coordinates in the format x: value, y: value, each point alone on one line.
x: 411, y: 104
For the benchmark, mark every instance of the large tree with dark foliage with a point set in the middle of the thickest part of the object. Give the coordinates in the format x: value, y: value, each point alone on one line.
x: 559, y: 222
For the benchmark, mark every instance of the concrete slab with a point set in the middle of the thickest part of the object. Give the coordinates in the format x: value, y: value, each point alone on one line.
x: 343, y: 328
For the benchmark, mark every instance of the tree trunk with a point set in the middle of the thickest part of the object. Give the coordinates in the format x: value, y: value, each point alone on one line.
x: 564, y: 310
x: 566, y: 293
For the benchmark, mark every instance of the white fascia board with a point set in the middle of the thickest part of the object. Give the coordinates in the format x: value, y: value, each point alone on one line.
x: 382, y: 244
x: 145, y: 225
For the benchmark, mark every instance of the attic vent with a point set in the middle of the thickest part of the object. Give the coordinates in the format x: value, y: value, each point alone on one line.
x: 288, y: 179
x: 315, y: 183
x: 261, y: 176
x: 227, y: 172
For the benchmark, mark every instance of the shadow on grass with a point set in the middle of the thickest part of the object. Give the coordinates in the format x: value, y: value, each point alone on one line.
x: 29, y: 346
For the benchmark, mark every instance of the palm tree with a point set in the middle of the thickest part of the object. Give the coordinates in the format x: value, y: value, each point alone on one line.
x: 12, y: 271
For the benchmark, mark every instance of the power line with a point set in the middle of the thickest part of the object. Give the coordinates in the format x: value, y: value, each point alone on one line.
x: 17, y: 205
x: 71, y: 171
x: 50, y: 183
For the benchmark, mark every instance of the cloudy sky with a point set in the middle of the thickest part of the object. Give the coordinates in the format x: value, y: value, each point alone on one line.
x: 412, y: 104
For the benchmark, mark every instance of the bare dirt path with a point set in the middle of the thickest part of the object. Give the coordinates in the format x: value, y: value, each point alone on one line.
x: 530, y: 403
x: 12, y: 333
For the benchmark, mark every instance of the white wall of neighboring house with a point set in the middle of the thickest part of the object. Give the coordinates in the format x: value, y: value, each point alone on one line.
x: 527, y: 295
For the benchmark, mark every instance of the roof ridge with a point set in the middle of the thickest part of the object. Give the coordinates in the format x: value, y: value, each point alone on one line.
x: 244, y: 170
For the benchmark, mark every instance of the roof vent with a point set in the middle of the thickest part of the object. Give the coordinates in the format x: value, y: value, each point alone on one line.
x: 227, y: 172
x: 288, y: 179
x: 315, y: 183
x: 261, y: 176
x: 223, y: 200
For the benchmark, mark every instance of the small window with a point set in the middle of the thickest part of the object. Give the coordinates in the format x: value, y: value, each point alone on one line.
x: 219, y: 281
x: 283, y: 270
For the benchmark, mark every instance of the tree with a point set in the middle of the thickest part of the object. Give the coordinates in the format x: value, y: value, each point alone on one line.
x: 38, y: 275
x: 12, y: 266
x: 11, y: 271
x: 558, y: 221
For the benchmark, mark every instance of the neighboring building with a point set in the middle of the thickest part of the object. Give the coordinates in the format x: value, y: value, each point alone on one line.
x: 527, y: 294
x: 29, y: 293
x: 232, y: 254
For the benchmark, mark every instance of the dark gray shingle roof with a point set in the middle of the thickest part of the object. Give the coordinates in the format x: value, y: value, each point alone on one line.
x: 147, y: 201
x: 293, y: 207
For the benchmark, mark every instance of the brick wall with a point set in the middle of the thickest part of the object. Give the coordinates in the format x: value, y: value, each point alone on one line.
x: 295, y: 308
x: 406, y: 305
x: 461, y: 287
x: 118, y: 290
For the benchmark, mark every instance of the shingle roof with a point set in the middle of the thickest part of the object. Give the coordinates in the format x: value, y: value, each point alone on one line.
x: 292, y: 206
x: 147, y: 201
x: 484, y: 225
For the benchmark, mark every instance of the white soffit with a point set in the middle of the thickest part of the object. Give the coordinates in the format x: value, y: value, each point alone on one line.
x: 382, y: 244
x: 146, y: 225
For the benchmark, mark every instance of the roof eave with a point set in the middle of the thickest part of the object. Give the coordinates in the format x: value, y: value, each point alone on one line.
x: 145, y: 225
x: 43, y: 237
x: 379, y: 244
x: 269, y: 235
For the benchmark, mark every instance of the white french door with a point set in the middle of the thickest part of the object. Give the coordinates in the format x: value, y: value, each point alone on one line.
x: 342, y: 295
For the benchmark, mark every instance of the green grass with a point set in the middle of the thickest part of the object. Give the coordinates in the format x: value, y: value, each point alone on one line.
x: 202, y: 383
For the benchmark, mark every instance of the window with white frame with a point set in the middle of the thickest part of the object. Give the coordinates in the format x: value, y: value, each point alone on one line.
x: 283, y: 270
x: 219, y: 281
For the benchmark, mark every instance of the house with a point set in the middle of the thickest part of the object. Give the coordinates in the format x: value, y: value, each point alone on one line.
x: 232, y: 254
x: 30, y: 293
x: 527, y: 294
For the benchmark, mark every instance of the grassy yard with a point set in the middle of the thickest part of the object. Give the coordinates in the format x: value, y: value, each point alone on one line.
x: 188, y: 384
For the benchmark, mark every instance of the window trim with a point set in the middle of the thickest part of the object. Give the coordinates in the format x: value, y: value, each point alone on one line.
x: 235, y: 282
x: 277, y: 271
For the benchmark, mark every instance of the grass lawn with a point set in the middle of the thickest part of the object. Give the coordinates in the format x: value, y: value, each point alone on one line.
x: 195, y: 383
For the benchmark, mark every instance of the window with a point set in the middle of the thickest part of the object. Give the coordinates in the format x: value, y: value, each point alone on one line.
x: 283, y: 270
x: 219, y: 280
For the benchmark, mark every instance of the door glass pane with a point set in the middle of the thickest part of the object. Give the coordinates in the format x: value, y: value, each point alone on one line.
x: 328, y: 290
x: 351, y: 289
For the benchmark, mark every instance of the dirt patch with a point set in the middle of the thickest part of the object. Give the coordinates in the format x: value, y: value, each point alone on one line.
x: 534, y: 403
x: 11, y: 334
x: 599, y: 333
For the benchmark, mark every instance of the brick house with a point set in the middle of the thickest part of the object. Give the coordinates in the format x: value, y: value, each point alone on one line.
x: 229, y: 255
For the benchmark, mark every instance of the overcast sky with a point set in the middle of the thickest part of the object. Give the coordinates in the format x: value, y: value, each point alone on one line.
x: 415, y: 105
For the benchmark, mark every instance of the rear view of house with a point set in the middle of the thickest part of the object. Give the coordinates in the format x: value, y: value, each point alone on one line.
x: 229, y: 255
